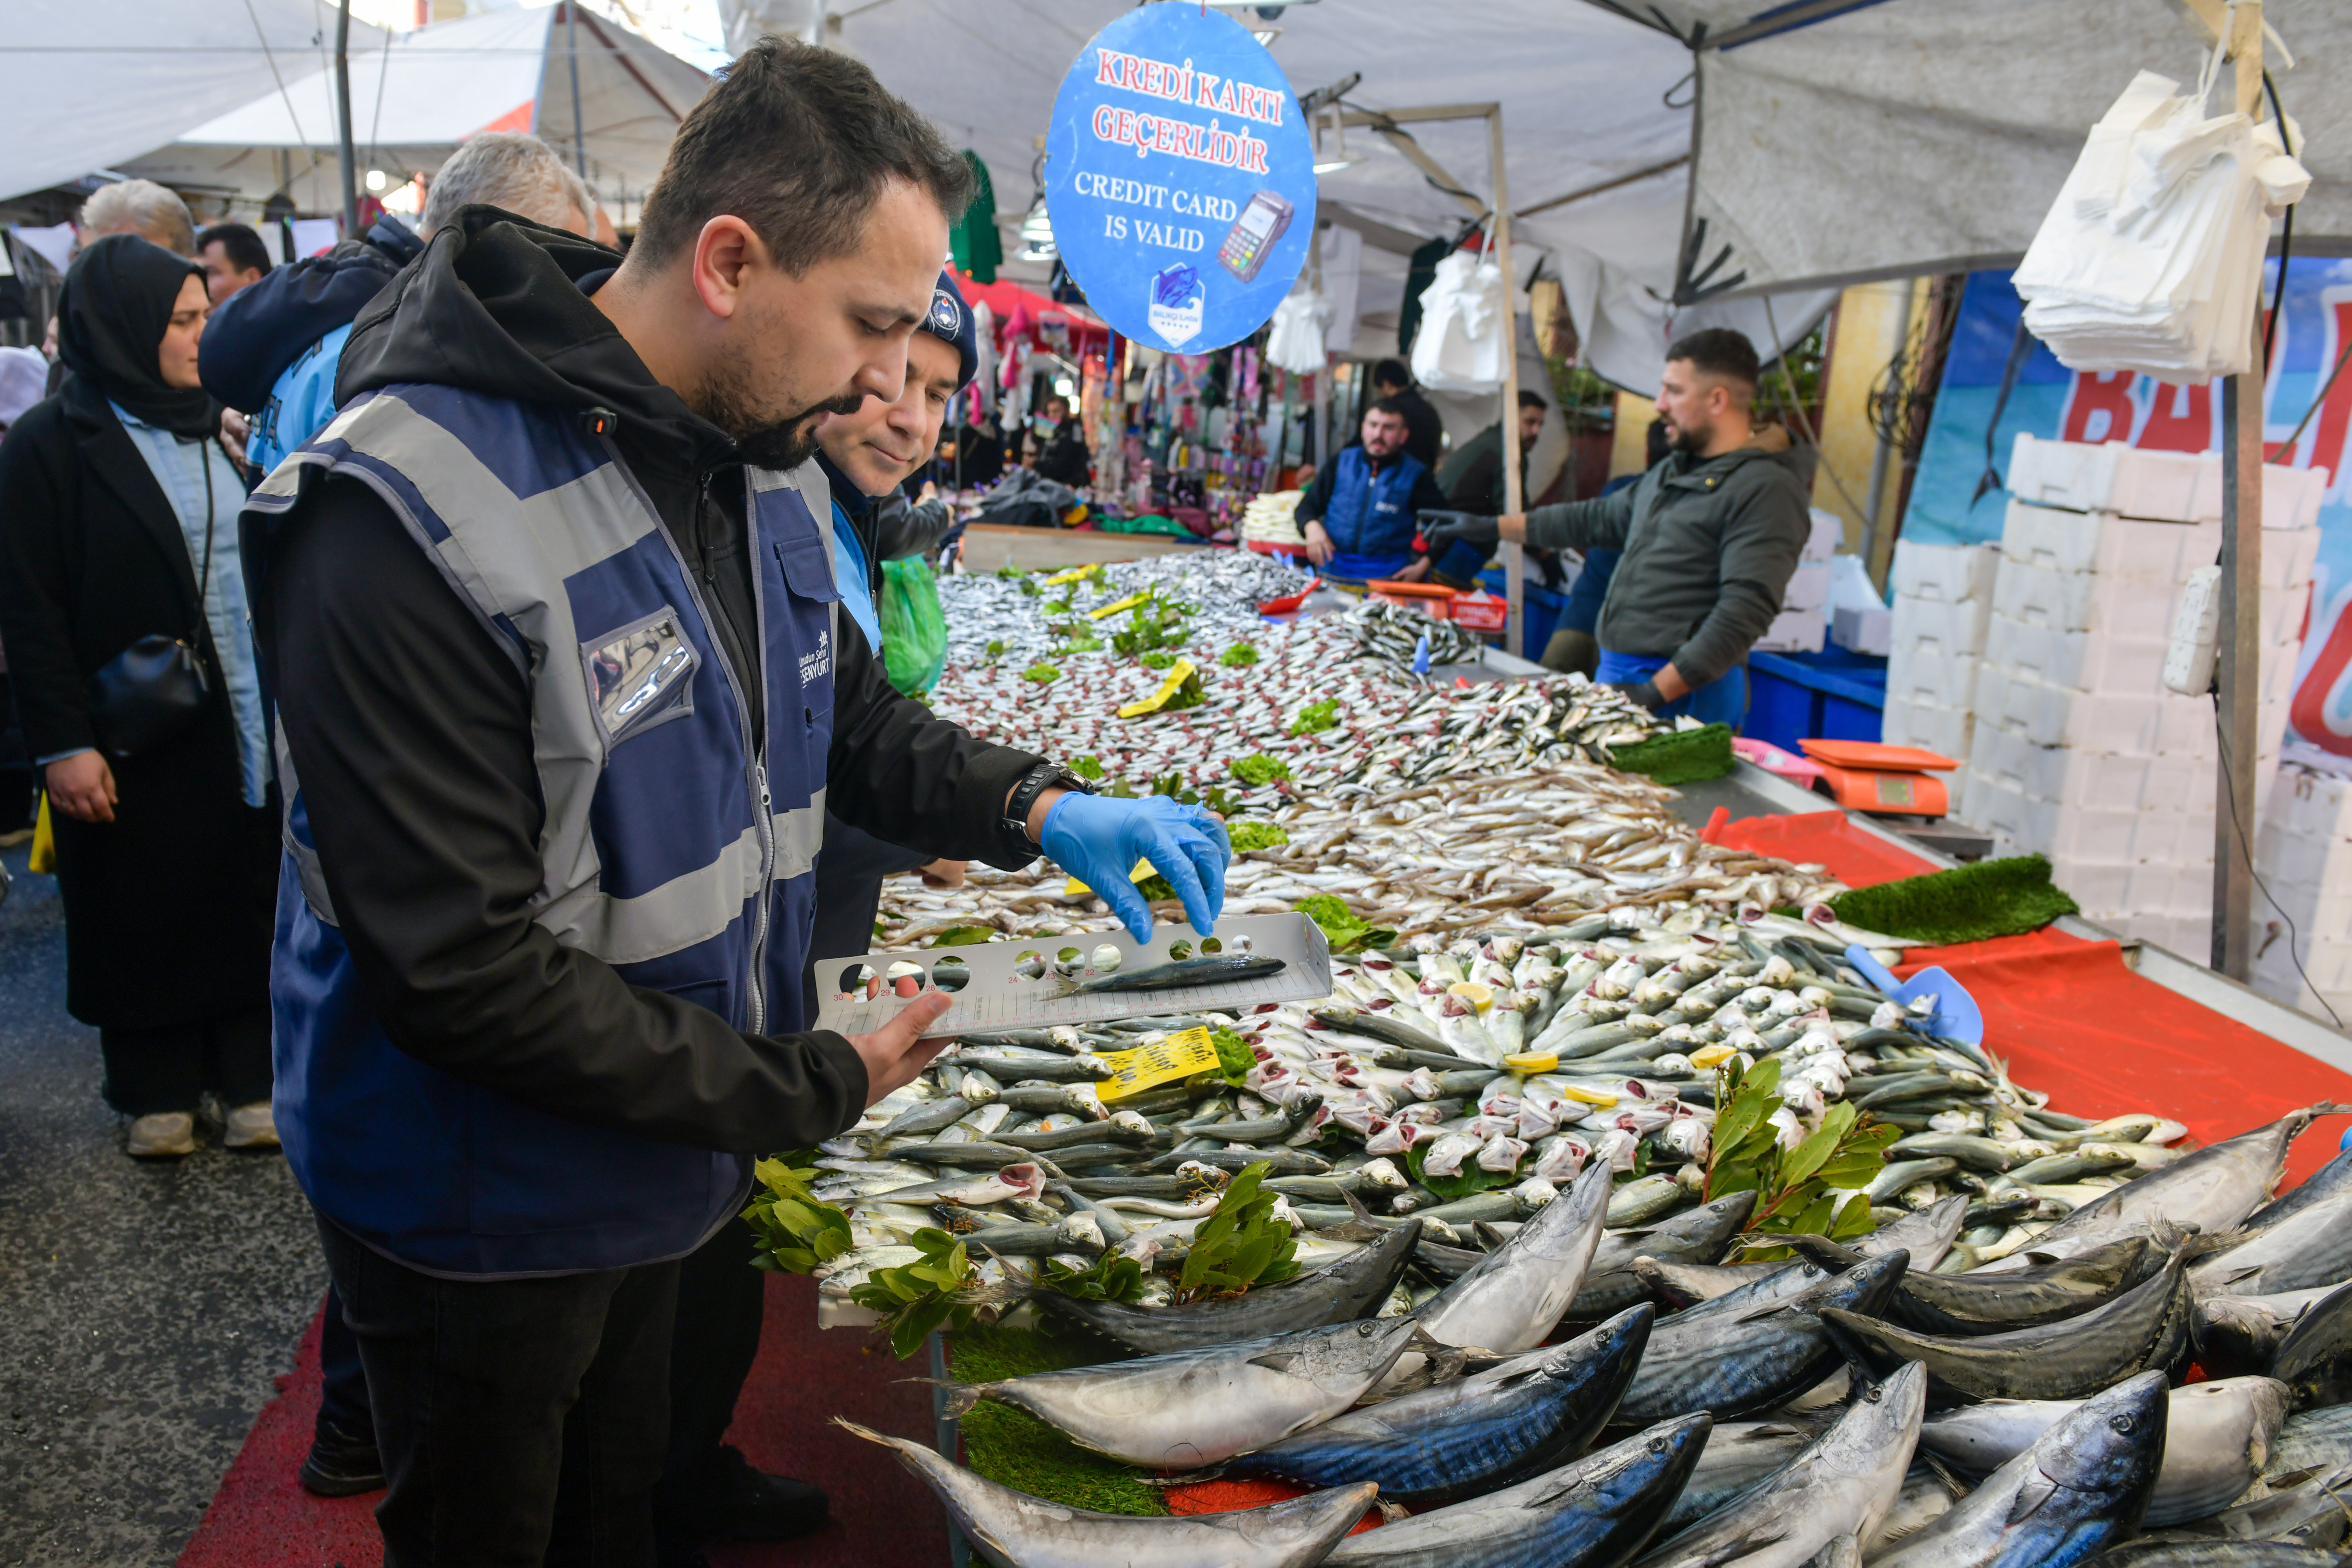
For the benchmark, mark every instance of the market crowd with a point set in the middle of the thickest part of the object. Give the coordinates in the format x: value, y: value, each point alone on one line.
x: 308, y: 713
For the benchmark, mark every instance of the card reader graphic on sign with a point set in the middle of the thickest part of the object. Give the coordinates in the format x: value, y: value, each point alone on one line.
x: 1265, y: 220
x: 1179, y: 300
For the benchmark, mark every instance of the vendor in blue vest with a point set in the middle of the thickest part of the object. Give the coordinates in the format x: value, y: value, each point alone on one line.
x: 1709, y: 537
x: 563, y: 693
x: 1359, y: 514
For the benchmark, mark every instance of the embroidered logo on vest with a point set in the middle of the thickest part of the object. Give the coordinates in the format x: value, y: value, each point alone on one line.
x: 816, y: 666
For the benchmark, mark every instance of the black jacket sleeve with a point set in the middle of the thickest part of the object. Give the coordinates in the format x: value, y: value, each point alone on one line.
x: 1601, y: 523
x: 1318, y: 498
x: 410, y: 734
x: 39, y: 503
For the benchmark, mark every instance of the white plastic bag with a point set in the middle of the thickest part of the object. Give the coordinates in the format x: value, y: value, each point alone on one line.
x: 1461, y: 342
x: 1296, y: 344
x: 2151, y: 259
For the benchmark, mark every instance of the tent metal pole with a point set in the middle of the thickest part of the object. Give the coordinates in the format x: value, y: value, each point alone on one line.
x: 2237, y: 680
x: 1515, y: 589
x: 579, y: 129
x: 343, y: 118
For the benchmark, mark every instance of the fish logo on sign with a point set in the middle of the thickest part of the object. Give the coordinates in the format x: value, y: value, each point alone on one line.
x: 1179, y: 300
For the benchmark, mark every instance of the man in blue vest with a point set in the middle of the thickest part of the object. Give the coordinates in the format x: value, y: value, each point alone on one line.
x: 1359, y: 514
x: 563, y: 695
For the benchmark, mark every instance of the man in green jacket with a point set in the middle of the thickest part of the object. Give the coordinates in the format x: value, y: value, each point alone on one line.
x: 1711, y: 537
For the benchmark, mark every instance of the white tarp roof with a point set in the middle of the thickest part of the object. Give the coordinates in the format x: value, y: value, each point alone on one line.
x: 1585, y: 102
x: 1892, y: 138
x: 417, y: 97
x: 88, y: 85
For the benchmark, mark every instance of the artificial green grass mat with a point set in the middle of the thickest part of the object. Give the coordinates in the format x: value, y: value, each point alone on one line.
x: 1968, y: 903
x: 1015, y: 1448
x: 1680, y: 756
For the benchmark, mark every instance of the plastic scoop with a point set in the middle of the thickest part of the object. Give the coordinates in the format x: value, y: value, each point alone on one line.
x: 1956, y: 1016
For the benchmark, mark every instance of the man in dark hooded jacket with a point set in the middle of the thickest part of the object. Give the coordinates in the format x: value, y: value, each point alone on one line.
x: 1710, y: 538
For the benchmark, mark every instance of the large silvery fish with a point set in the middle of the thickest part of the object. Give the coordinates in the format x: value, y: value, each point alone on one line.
x: 2314, y: 1360
x: 1934, y: 1229
x: 1594, y: 1513
x: 2214, y: 1189
x: 1198, y: 1407
x: 2218, y: 1436
x: 2215, y: 1554
x: 1842, y: 1484
x: 2311, y: 1440
x: 2029, y: 1298
x: 2084, y: 1486
x: 1510, y: 1301
x: 2147, y: 1328
x: 2239, y: 1336
x: 1696, y: 1236
x: 1740, y: 1363
x: 1475, y: 1434
x: 1027, y: 1531
x: 1349, y: 1289
x: 1741, y: 1456
x: 2306, y: 1249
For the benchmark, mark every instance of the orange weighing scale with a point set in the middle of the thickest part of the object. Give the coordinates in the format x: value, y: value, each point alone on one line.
x: 1868, y: 775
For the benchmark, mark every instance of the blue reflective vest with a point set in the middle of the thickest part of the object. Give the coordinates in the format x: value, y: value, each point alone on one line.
x: 1370, y: 519
x: 670, y: 850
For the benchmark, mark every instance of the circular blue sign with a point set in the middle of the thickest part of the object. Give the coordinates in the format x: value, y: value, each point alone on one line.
x: 1179, y: 177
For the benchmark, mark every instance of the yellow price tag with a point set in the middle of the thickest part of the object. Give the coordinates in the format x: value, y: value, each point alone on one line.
x: 1076, y: 573
x: 1126, y: 604
x: 1179, y: 1055
x: 1182, y: 672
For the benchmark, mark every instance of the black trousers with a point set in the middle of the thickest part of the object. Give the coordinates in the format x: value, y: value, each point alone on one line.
x: 151, y: 1071
x: 720, y: 1298
x: 521, y: 1421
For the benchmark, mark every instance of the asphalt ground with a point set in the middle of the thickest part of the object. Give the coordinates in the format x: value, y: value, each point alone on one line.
x: 144, y: 1306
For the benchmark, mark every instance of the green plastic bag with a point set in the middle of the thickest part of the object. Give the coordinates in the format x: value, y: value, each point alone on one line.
x: 914, y: 628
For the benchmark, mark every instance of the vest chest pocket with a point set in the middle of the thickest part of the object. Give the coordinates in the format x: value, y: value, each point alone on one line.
x: 640, y: 676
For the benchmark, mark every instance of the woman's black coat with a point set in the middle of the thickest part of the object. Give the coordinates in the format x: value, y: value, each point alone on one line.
x: 169, y: 908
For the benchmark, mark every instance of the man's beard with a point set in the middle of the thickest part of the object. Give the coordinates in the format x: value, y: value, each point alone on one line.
x: 761, y: 439
x: 1685, y: 440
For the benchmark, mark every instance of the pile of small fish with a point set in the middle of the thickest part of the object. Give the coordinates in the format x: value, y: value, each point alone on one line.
x: 1564, y: 1371
x: 1226, y: 585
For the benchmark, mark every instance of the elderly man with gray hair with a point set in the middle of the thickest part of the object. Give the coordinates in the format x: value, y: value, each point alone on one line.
x: 142, y: 207
x: 273, y: 349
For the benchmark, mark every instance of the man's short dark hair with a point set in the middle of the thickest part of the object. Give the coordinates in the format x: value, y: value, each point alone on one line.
x: 1393, y: 405
x: 1719, y: 351
x: 1392, y: 373
x: 798, y: 142
x: 239, y: 243
x: 1533, y: 400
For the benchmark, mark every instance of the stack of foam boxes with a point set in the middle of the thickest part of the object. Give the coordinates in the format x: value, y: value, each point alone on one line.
x: 1943, y: 606
x: 1803, y: 624
x: 2304, y: 854
x: 2077, y: 750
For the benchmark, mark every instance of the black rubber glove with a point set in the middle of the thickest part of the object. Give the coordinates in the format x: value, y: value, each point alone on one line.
x: 1643, y: 693
x: 1439, y: 529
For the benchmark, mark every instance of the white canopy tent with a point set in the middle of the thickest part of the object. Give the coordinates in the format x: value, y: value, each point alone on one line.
x: 418, y: 97
x: 1585, y: 98
x: 87, y: 86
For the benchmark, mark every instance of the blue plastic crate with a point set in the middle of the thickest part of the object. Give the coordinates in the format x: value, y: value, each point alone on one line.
x: 1833, y: 694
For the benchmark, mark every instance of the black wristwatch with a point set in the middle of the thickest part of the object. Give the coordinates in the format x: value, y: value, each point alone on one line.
x: 1034, y: 783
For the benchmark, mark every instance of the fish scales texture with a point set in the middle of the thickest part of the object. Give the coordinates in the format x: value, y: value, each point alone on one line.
x: 1843, y: 1483
x: 1741, y: 1363
x: 2083, y: 1486
x: 1027, y: 1531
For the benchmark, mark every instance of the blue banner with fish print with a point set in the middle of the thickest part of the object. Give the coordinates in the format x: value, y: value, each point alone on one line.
x: 2046, y: 399
x: 1179, y: 177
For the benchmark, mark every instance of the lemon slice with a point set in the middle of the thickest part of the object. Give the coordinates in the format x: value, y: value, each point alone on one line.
x: 1470, y: 991
x: 1712, y: 1055
x: 1532, y: 1061
x: 1583, y: 1096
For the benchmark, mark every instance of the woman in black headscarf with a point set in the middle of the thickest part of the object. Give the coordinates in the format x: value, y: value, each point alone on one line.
x: 118, y: 524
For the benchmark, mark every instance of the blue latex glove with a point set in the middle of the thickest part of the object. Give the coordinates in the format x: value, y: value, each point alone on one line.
x: 1099, y: 840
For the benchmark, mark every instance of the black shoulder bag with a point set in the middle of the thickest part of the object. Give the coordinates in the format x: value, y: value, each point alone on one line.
x: 148, y: 695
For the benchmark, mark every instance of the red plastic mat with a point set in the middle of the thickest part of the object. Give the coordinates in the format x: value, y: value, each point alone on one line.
x: 2072, y: 1020
x: 882, y: 1516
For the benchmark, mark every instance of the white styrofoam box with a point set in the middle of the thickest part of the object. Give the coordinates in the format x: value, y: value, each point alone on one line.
x: 1796, y: 631
x: 2288, y: 557
x: 2083, y: 600
x: 2132, y: 549
x: 1948, y: 628
x: 2309, y: 805
x: 2061, y: 773
x: 1927, y: 674
x: 2291, y: 498
x: 1934, y: 726
x: 1808, y: 586
x: 2125, y: 723
x: 1825, y: 534
x: 1863, y: 629
x: 2168, y: 487
x: 2076, y: 658
x: 1945, y: 573
x: 2184, y: 936
x: 2094, y: 885
x: 2282, y: 613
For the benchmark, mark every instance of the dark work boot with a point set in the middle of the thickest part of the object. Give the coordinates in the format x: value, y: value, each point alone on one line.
x: 341, y: 1463
x: 745, y: 1504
